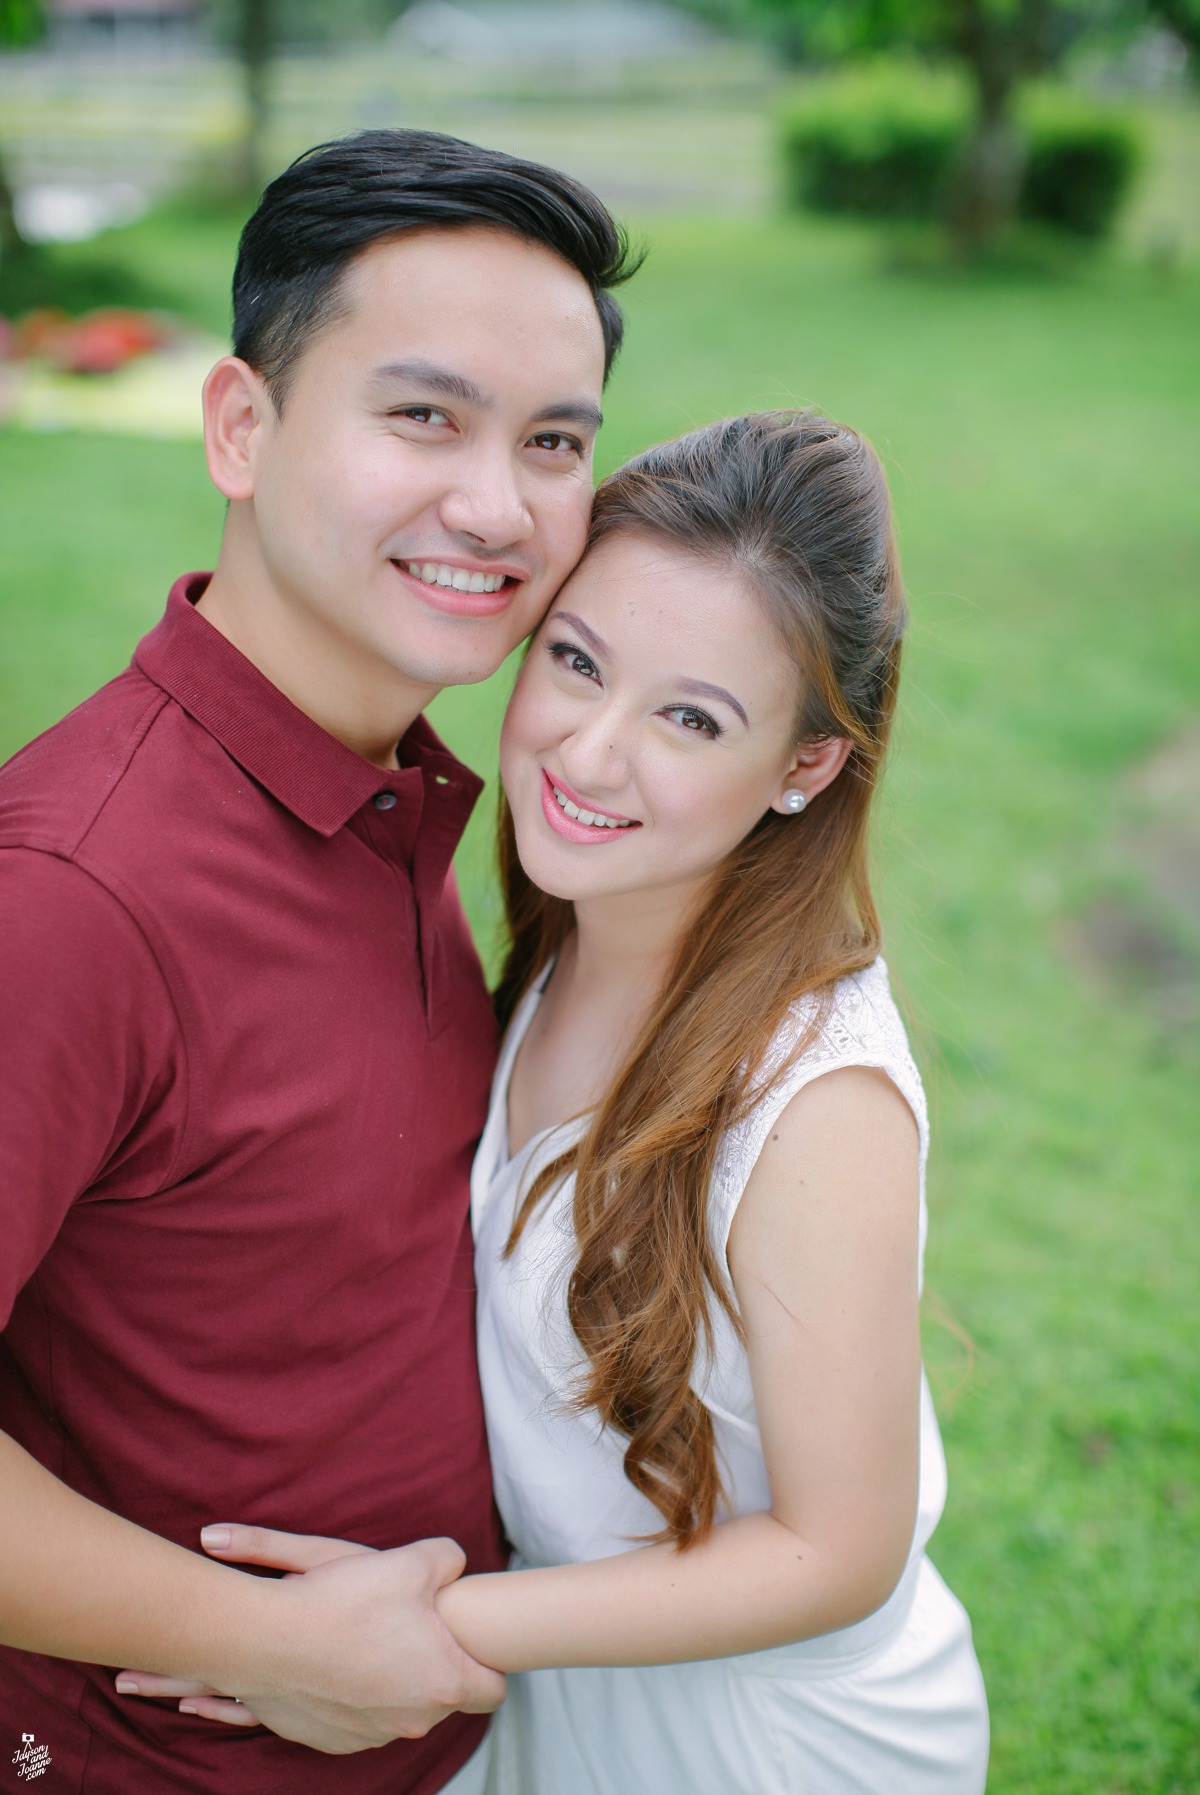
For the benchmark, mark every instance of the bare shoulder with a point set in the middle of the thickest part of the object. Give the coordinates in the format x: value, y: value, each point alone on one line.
x: 842, y: 1159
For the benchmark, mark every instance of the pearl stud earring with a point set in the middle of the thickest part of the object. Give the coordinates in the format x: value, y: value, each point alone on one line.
x: 794, y: 802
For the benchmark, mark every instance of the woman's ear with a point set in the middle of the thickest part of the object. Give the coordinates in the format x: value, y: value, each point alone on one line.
x: 814, y: 766
x: 236, y: 404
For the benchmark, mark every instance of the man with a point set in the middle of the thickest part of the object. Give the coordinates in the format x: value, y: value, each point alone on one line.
x: 244, y: 1042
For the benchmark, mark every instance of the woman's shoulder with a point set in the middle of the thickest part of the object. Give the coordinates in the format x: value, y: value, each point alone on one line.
x: 857, y: 1023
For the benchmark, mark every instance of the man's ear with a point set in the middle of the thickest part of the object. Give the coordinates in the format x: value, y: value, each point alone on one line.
x: 236, y: 406
x: 814, y: 766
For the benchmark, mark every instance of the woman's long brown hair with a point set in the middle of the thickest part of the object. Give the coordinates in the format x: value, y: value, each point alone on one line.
x: 798, y: 507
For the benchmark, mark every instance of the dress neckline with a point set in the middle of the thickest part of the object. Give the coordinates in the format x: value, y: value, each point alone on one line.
x: 518, y: 1028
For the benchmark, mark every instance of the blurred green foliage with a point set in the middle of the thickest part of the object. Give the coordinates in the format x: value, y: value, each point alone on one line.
x: 886, y: 139
x: 878, y: 139
x: 1081, y: 160
x: 1039, y: 435
x: 22, y: 23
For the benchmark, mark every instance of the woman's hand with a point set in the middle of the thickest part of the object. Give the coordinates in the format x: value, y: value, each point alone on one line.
x: 298, y: 1554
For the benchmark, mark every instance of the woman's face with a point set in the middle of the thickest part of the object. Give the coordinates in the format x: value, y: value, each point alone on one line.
x: 651, y: 725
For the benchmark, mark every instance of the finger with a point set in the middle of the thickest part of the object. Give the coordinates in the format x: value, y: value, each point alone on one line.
x: 486, y: 1692
x: 281, y: 1551
x: 444, y: 1558
x: 217, y: 1707
x: 145, y: 1683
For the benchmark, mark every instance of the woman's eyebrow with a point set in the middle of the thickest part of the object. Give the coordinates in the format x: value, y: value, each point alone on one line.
x: 700, y: 688
x: 695, y: 688
x: 596, y: 643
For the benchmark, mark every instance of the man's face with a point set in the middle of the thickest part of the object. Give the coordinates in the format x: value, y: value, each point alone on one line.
x: 428, y: 485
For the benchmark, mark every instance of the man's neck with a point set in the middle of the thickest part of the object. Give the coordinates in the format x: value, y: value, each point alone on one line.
x: 322, y: 674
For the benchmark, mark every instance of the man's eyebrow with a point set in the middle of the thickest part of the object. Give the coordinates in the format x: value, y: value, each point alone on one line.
x: 700, y: 688
x: 580, y: 412
x: 446, y: 384
x: 427, y: 374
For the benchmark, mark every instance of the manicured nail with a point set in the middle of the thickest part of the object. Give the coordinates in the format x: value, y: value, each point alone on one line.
x: 126, y: 1686
x: 187, y: 1708
x: 215, y: 1539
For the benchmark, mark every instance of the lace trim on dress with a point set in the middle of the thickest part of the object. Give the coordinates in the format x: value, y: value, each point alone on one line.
x: 862, y: 1027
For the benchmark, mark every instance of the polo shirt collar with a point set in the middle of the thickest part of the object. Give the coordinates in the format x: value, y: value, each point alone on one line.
x: 311, y: 773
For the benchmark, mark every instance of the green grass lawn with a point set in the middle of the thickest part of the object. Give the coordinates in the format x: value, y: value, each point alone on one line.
x: 1041, y: 434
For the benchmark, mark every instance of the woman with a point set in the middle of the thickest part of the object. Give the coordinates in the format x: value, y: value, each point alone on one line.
x: 698, y: 1200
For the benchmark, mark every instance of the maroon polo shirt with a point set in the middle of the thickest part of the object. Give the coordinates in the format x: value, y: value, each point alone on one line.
x: 245, y: 1049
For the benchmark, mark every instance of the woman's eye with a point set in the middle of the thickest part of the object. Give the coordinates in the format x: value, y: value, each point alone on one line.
x: 695, y: 722
x: 573, y: 659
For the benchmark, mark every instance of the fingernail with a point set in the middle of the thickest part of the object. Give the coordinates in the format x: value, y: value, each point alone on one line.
x: 126, y: 1686
x: 214, y: 1539
x: 187, y: 1708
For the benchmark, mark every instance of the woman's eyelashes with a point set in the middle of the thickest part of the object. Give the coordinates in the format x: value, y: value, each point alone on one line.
x: 689, y: 718
x: 694, y: 721
x: 567, y: 655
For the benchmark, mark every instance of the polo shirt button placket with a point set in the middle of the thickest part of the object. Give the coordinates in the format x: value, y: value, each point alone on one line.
x: 384, y: 800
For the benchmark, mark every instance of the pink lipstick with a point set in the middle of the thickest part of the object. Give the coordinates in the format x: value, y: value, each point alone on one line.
x: 570, y: 828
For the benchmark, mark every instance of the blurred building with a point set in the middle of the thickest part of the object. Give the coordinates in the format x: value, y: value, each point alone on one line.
x: 546, y: 33
x: 125, y: 28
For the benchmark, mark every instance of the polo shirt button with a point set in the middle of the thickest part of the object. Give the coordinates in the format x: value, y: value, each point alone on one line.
x: 384, y: 800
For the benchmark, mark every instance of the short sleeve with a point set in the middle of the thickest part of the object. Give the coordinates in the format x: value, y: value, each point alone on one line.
x: 91, y: 1060
x: 862, y: 1028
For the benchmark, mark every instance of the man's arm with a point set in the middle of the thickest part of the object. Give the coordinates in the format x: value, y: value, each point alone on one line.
x: 349, y: 1657
x: 89, y: 1062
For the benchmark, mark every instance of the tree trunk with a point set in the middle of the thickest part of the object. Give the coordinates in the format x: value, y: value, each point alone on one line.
x: 256, y: 41
x: 14, y: 249
x: 988, y: 183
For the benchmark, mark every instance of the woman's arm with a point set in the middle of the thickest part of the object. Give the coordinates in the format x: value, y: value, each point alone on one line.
x: 823, y: 1255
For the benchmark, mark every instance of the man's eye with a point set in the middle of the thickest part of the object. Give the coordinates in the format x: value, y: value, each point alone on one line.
x: 556, y: 442
x: 421, y: 414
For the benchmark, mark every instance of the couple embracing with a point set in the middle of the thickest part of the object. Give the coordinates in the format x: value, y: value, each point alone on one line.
x: 279, y: 1275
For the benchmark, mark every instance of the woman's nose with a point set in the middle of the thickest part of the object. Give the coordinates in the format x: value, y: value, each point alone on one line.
x: 595, y: 756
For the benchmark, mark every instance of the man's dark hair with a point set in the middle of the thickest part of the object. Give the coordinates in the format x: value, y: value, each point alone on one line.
x: 339, y: 198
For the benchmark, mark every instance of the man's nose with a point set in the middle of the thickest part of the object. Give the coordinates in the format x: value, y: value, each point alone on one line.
x: 488, y: 501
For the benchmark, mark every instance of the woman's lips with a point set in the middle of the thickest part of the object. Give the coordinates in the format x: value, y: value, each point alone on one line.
x: 570, y: 828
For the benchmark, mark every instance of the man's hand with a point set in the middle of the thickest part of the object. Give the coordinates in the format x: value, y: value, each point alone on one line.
x: 351, y: 1654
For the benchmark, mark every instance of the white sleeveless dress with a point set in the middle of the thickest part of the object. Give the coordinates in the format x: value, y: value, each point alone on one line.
x: 893, y: 1705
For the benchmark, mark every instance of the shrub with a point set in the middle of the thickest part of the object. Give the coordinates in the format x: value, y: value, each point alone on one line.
x: 883, y: 141
x: 879, y: 140
x: 1081, y: 159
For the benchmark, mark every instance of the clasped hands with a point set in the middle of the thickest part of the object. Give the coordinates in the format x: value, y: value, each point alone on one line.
x: 350, y: 1651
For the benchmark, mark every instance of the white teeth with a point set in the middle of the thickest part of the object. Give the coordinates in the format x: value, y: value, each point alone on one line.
x: 590, y: 817
x: 435, y: 573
